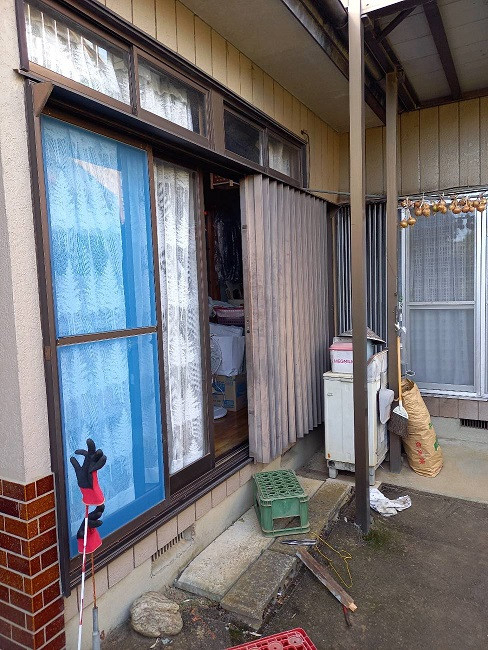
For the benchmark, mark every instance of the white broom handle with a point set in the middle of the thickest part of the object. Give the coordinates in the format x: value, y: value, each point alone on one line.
x: 83, y: 572
x: 399, y: 363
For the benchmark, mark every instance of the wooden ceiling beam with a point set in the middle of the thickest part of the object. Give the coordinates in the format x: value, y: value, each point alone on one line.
x: 400, y: 17
x: 439, y: 35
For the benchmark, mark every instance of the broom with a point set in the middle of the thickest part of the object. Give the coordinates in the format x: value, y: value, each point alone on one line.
x: 398, y: 421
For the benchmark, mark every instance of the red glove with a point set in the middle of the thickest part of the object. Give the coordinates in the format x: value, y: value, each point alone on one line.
x: 86, y: 474
x: 93, y: 539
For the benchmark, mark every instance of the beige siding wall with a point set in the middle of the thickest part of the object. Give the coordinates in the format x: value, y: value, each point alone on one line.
x: 179, y: 29
x: 438, y: 148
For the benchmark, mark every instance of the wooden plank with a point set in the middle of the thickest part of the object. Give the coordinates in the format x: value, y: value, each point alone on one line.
x: 185, y: 32
x: 278, y: 95
x: 344, y: 162
x: 288, y: 110
x: 257, y: 87
x: 295, y: 315
x: 375, y: 183
x: 296, y: 116
x: 166, y: 23
x: 330, y: 162
x: 144, y: 16
x: 316, y: 306
x: 298, y: 318
x: 288, y: 309
x: 449, y: 137
x: 469, y: 142
x: 484, y: 141
x: 203, y: 45
x: 410, y: 153
x: 326, y: 326
x: 337, y: 153
x: 219, y: 57
x: 269, y: 196
x: 282, y: 432
x: 268, y: 91
x: 324, y: 144
x: 429, y: 149
x: 306, y: 313
x: 233, y: 73
x: 324, y: 576
x: 245, y: 71
x: 121, y: 7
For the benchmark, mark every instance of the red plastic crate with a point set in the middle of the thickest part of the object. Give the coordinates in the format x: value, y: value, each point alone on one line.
x: 296, y: 639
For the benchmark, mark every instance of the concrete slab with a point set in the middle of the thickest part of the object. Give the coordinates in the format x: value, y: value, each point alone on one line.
x: 463, y: 476
x: 213, y: 572
x: 258, y: 587
x: 322, y: 509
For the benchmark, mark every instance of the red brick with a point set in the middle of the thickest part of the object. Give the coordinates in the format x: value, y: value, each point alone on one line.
x: 59, y: 643
x: 38, y: 544
x: 19, y: 491
x: 25, y: 529
x: 45, y: 616
x: 22, y: 565
x: 47, y: 521
x: 4, y: 594
x: 9, y: 507
x: 3, y: 558
x: 41, y: 580
x: 54, y: 627
x: 39, y: 639
x: 12, y: 614
x: 36, y: 507
x: 2, y: 522
x: 11, y: 579
x: 30, y: 604
x: 22, y: 636
x: 49, y: 557
x: 8, y: 644
x: 45, y: 484
x: 50, y: 593
x: 10, y: 543
x: 5, y: 629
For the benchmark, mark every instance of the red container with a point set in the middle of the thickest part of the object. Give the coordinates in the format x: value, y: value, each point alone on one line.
x: 230, y: 315
x: 296, y: 639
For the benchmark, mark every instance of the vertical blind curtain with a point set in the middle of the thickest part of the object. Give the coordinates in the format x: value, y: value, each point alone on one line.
x: 180, y: 306
x: 285, y: 265
x: 97, y: 196
x: 53, y: 44
x: 375, y: 268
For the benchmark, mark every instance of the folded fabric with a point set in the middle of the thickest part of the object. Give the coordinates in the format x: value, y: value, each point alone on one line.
x: 385, y: 506
x: 385, y: 399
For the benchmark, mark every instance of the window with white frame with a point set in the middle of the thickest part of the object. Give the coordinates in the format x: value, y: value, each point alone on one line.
x: 443, y: 289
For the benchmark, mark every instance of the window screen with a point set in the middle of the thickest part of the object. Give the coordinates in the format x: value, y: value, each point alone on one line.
x: 97, y: 194
x: 171, y: 99
x: 57, y: 43
x: 242, y: 138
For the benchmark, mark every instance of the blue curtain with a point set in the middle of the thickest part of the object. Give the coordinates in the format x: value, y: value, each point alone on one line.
x: 101, y: 257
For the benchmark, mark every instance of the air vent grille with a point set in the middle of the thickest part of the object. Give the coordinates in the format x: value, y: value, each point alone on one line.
x: 167, y: 546
x: 475, y: 424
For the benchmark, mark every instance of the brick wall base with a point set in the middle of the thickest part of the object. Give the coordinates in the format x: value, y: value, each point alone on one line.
x: 31, y: 605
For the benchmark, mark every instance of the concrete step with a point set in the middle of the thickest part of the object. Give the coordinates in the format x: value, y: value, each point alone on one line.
x: 243, y: 570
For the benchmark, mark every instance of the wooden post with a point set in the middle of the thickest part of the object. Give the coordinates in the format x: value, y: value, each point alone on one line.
x: 391, y: 249
x: 358, y: 262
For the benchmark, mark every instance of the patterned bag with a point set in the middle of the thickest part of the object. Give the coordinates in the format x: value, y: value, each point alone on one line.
x: 423, y: 451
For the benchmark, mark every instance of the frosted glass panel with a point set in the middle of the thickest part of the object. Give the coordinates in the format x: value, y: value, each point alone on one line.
x: 180, y: 306
x: 59, y: 44
x: 442, y: 345
x: 110, y: 392
x: 442, y: 251
x: 99, y: 219
x: 282, y: 157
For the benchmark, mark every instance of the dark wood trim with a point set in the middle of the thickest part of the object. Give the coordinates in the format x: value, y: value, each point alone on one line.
x: 103, y: 336
x: 441, y: 101
x: 393, y: 24
x: 191, y: 473
x: 21, y: 34
x: 41, y: 232
x: 395, y: 7
x: 41, y: 93
x: 439, y: 35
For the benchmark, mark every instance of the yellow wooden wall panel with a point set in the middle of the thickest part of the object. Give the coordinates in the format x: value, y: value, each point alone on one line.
x: 469, y: 142
x: 429, y: 149
x: 484, y: 141
x: 245, y: 70
x: 203, y: 45
x: 219, y: 57
x: 258, y: 87
x: 144, y: 16
x: 166, y: 22
x: 324, y: 161
x: 288, y: 110
x: 185, y: 32
x: 268, y: 95
x: 409, y: 144
x: 344, y: 162
x: 329, y: 162
x: 121, y: 7
x: 336, y: 161
x: 374, y: 160
x: 449, y: 145
x: 278, y: 102
x: 233, y: 74
x: 296, y: 116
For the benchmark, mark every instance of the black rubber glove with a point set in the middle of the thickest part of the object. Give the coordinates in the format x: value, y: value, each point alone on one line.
x: 93, y: 539
x: 86, y: 474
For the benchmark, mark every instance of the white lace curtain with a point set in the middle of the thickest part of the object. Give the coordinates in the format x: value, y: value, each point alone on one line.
x: 181, y: 315
x: 164, y: 96
x: 279, y: 157
x: 56, y: 46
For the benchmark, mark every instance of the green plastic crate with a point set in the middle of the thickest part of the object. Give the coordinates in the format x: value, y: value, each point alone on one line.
x: 279, y: 497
